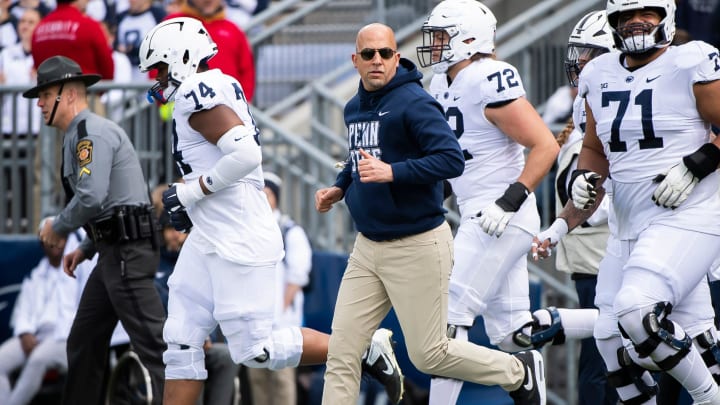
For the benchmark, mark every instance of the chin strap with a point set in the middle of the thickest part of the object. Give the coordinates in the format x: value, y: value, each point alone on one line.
x: 57, y: 103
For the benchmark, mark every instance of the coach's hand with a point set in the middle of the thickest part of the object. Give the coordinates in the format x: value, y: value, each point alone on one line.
x: 373, y: 170
x: 583, y: 188
x: 494, y: 218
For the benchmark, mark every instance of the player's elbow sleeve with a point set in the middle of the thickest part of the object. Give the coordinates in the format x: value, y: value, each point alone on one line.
x: 241, y: 156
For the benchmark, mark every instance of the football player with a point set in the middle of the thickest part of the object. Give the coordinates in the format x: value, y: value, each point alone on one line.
x: 580, y: 252
x: 225, y: 273
x: 484, y: 102
x: 649, y: 111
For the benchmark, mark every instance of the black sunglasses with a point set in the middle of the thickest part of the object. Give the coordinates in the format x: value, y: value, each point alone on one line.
x: 369, y: 53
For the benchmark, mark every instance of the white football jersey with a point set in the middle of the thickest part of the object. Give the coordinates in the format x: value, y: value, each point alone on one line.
x: 578, y: 115
x: 647, y: 120
x: 235, y: 222
x: 492, y: 159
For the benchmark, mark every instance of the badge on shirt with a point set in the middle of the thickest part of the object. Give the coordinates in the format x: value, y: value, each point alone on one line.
x: 84, y: 155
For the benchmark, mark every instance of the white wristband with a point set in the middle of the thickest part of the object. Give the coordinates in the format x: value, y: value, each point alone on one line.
x: 557, y: 231
x: 189, y: 193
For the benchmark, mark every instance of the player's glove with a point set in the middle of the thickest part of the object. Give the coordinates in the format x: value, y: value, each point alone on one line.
x: 495, y: 217
x: 180, y: 220
x: 583, y: 188
x: 679, y: 181
x: 675, y: 186
x: 176, y: 209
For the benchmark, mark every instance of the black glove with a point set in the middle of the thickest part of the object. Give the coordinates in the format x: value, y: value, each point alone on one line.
x: 180, y: 220
x: 176, y: 211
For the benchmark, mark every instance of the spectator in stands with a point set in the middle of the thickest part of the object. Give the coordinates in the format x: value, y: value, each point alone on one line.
x: 18, y: 117
x: 18, y: 8
x: 115, y: 100
x: 132, y: 26
x: 41, y: 322
x: 8, y: 25
x: 279, y: 387
x: 240, y: 11
x: 68, y: 32
x: 101, y: 11
x: 16, y: 68
x: 234, y: 56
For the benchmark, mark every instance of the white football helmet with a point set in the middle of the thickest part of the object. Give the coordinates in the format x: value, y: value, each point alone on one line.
x: 590, y: 37
x: 627, y: 39
x: 182, y: 43
x: 470, y: 26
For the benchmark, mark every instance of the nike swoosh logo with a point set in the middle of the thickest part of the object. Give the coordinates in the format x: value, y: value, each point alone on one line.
x: 648, y: 80
x: 383, y: 113
x: 456, y: 98
x: 528, y: 385
x: 388, y: 368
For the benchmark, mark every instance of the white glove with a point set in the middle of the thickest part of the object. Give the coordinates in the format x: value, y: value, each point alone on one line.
x: 583, y: 191
x: 675, y: 187
x: 494, y: 219
x: 554, y: 233
x: 189, y: 193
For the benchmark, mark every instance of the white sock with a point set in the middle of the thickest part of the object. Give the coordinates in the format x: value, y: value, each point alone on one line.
x: 577, y: 323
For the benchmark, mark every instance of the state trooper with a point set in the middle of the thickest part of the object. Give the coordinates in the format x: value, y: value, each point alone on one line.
x: 106, y: 194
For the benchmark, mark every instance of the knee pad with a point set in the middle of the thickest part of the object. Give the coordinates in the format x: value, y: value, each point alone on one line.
x: 282, y: 350
x: 553, y: 333
x: 645, y: 362
x: 519, y: 340
x: 709, y: 350
x: 656, y: 329
x: 184, y: 362
x: 631, y: 374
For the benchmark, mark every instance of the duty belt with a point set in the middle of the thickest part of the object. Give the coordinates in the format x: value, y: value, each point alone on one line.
x: 128, y: 223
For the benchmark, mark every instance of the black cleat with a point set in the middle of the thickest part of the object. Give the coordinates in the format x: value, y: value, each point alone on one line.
x: 532, y: 390
x: 379, y: 362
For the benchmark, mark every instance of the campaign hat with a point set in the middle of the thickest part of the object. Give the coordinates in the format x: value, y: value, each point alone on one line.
x: 56, y: 70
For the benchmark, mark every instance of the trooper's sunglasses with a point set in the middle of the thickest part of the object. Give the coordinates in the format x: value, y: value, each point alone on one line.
x: 369, y: 53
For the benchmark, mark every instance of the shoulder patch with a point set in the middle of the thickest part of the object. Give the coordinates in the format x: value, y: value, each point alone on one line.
x: 84, y: 152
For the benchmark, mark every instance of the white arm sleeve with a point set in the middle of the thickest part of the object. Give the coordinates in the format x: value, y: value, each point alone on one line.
x: 242, y: 156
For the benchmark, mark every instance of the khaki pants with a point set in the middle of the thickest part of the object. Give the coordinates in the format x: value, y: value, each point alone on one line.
x: 411, y: 275
x: 273, y: 387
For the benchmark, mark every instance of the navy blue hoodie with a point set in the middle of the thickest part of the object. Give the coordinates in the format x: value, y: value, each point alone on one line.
x: 400, y: 124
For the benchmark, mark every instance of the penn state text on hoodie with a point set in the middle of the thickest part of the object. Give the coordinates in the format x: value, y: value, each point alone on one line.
x: 400, y: 124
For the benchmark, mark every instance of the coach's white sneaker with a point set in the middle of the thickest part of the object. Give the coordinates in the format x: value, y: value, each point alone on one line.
x: 379, y: 361
x: 532, y: 390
